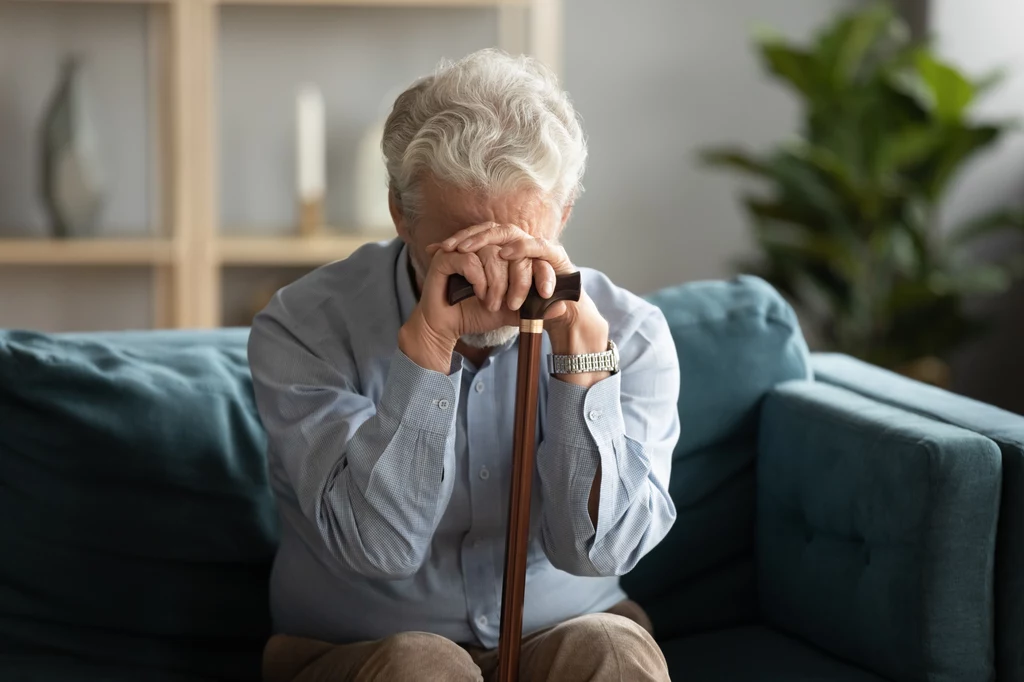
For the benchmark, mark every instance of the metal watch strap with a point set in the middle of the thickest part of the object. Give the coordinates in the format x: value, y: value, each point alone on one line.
x: 607, y: 361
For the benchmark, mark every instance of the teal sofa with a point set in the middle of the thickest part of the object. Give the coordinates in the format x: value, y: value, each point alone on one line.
x: 835, y: 521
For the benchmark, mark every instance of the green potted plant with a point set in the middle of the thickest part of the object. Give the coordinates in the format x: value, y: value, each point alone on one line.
x: 848, y: 228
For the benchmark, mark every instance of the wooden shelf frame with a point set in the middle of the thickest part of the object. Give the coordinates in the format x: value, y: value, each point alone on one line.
x: 96, y: 252
x: 376, y: 3
x: 188, y: 259
x: 298, y: 251
x: 300, y: 3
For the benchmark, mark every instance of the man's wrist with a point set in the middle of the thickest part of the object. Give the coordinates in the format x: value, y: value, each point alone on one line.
x: 582, y: 337
x: 424, y: 346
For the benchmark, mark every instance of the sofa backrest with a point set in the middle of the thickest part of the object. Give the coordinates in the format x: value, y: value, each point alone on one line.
x: 136, y: 521
x: 736, y: 339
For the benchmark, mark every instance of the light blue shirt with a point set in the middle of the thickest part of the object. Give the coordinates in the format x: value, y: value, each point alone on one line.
x: 392, y: 480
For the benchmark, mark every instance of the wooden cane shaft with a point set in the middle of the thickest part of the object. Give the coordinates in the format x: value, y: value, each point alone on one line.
x: 518, y: 536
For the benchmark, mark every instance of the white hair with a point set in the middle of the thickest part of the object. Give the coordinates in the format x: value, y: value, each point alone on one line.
x: 489, y: 121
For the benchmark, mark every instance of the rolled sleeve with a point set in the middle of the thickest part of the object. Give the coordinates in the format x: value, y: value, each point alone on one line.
x: 624, y: 426
x: 585, y: 417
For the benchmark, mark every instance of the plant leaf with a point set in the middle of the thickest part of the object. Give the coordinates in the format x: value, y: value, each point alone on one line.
x: 791, y: 65
x: 802, y: 183
x: 985, y: 278
x: 948, y: 91
x: 808, y: 246
x: 989, y: 81
x: 961, y: 142
x: 906, y: 147
x: 735, y: 159
x: 993, y: 223
x: 767, y: 210
x: 844, y: 47
x: 832, y: 166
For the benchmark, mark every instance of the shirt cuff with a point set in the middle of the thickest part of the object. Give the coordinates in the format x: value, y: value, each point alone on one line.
x: 584, y: 417
x: 419, y: 397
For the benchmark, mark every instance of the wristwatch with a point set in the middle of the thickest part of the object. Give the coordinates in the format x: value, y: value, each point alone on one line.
x: 608, y: 361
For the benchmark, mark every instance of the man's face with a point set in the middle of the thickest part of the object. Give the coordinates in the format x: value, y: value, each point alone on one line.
x: 445, y: 210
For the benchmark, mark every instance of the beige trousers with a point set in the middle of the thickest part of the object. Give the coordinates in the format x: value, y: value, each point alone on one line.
x: 599, y: 647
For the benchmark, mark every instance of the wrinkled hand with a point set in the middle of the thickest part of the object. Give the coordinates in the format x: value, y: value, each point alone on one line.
x: 531, y: 259
x: 574, y: 327
x: 433, y: 329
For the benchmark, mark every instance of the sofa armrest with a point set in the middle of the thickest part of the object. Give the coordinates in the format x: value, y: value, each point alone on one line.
x: 876, y: 533
x: 1007, y: 431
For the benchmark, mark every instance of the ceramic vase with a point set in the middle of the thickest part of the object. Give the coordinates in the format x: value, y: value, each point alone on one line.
x: 72, y: 180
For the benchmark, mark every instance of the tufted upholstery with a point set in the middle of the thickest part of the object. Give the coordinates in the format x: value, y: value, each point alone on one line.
x: 876, y: 534
x: 1007, y: 431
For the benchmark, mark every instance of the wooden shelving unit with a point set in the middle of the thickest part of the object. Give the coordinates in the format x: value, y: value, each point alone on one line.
x: 189, y: 256
x: 239, y: 251
x: 140, y: 251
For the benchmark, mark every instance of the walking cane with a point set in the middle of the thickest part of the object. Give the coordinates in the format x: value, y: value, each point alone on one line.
x: 531, y: 331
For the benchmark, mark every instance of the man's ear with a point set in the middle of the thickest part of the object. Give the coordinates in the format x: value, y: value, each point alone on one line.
x: 398, y: 217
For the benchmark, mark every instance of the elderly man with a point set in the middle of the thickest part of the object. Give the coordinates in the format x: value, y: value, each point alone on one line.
x: 389, y: 413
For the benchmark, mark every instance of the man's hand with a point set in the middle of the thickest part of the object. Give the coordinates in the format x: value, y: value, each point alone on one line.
x: 433, y: 329
x: 575, y: 328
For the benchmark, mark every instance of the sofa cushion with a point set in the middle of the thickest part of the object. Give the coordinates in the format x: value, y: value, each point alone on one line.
x: 701, y: 576
x: 136, y: 520
x: 1006, y: 430
x: 754, y: 654
x: 736, y: 339
x: 876, y: 533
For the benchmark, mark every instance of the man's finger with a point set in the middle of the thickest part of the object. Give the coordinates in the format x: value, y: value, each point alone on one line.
x: 555, y: 310
x: 544, y: 277
x: 520, y: 276
x: 466, y: 264
x: 496, y: 270
x: 496, y: 236
x: 552, y: 252
x: 530, y: 247
x: 465, y: 233
x: 473, y: 270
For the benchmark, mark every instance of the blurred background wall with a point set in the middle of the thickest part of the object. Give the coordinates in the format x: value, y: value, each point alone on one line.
x: 653, y: 79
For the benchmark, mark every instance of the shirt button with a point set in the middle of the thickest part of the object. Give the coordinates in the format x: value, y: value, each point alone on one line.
x: 594, y: 415
x: 479, y: 387
x: 484, y: 473
x: 443, y: 404
x: 481, y: 621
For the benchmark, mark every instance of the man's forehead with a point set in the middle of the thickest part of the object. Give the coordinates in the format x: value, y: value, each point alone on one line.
x: 459, y: 208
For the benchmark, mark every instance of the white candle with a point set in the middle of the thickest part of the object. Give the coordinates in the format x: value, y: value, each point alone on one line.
x: 310, y: 142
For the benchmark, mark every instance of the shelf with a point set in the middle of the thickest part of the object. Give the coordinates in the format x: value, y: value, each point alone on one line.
x: 85, y: 251
x: 312, y: 251
x: 375, y: 3
x: 309, y: 3
x: 103, y: 2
